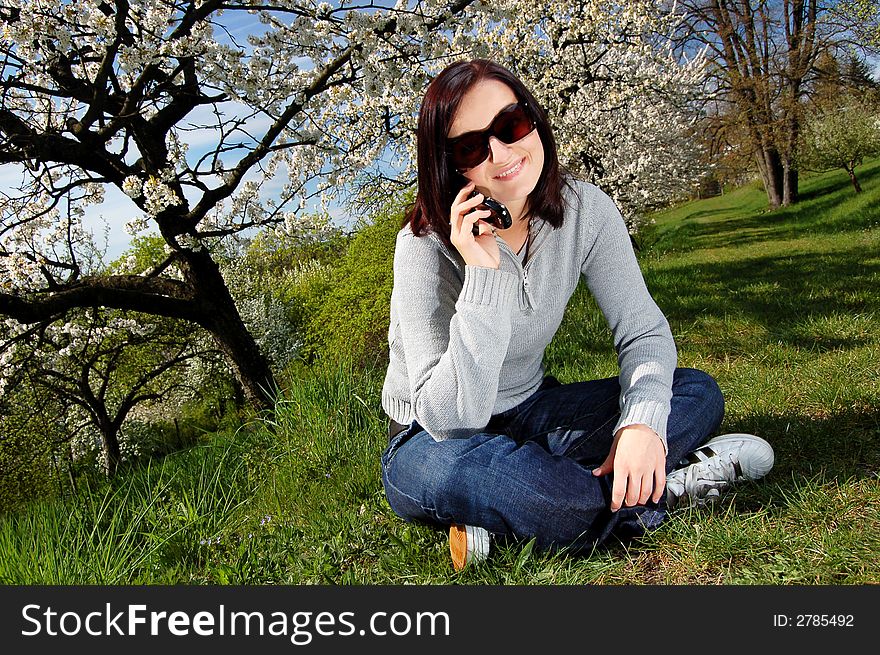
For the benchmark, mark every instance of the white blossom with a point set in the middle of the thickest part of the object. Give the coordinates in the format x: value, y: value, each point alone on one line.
x: 133, y: 186
x: 158, y: 196
x: 137, y: 225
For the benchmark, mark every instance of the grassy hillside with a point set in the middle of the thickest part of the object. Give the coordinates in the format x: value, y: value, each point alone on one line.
x: 782, y: 307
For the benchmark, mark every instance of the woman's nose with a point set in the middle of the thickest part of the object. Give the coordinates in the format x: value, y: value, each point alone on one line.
x: 499, y: 150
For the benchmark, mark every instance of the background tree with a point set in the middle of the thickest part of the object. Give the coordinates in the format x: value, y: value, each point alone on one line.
x: 841, y: 136
x: 839, y: 78
x: 864, y: 16
x: 100, y: 365
x: 31, y: 440
x: 621, y: 101
x: 763, y: 53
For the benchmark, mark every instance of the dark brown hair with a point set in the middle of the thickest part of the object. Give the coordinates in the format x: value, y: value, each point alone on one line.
x: 438, y: 180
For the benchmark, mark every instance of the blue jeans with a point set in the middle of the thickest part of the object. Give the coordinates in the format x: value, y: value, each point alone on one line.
x: 528, y: 474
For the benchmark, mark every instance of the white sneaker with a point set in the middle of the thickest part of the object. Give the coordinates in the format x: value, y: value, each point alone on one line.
x: 711, y: 468
x: 467, y: 544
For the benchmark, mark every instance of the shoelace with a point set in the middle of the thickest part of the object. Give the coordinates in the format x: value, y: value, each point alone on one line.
x: 713, y: 473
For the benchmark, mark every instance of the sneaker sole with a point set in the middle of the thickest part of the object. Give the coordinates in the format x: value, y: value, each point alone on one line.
x: 467, y: 544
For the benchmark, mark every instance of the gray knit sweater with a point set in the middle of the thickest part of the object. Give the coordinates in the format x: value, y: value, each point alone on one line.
x: 467, y: 342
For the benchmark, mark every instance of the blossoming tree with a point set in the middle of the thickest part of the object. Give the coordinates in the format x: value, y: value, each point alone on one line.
x: 622, y: 102
x: 318, y: 99
x: 841, y: 137
x: 98, y: 93
x: 100, y: 365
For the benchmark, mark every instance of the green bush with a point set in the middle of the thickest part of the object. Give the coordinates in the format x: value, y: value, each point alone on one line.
x: 28, y: 441
x: 277, y: 281
x: 302, y: 291
x: 350, y: 318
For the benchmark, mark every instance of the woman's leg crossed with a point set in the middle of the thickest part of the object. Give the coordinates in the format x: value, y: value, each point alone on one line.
x: 490, y: 480
x: 535, y: 478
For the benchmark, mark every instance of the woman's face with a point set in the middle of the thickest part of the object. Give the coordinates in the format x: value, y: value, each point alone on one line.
x: 511, y: 171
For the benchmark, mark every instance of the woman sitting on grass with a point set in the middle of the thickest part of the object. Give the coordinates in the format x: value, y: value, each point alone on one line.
x: 483, y: 441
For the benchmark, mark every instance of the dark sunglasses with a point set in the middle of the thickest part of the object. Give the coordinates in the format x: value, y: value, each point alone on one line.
x: 472, y: 148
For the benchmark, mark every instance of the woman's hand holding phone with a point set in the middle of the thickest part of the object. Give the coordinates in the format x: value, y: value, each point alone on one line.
x: 481, y: 250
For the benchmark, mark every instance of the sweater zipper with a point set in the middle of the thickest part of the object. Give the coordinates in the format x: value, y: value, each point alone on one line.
x: 524, y: 276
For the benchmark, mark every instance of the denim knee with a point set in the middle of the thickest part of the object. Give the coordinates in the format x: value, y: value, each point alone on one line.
x: 432, y: 481
x: 703, y: 389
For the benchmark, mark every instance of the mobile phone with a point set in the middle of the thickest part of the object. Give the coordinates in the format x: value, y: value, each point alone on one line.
x: 500, y: 216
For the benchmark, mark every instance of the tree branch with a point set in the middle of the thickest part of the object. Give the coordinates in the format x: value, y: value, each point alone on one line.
x: 161, y: 296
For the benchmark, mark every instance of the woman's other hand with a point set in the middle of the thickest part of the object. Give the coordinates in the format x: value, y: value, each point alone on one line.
x: 481, y: 250
x: 638, y: 461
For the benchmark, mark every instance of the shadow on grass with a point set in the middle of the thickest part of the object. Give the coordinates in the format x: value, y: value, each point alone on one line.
x: 780, y: 294
x: 842, y: 445
x: 783, y: 224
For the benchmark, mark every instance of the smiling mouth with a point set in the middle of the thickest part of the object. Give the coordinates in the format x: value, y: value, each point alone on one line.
x: 513, y: 170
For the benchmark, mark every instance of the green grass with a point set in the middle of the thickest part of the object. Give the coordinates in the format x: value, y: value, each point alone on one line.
x: 782, y: 307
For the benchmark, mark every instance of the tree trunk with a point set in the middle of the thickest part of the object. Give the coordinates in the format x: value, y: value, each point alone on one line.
x: 110, y: 446
x: 791, y: 138
x: 219, y: 316
x: 772, y: 174
x: 242, y: 353
x: 854, y: 180
x: 790, y: 185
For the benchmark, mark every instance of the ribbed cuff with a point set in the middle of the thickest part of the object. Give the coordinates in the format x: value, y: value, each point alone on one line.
x: 652, y: 413
x: 491, y: 287
x: 399, y: 410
